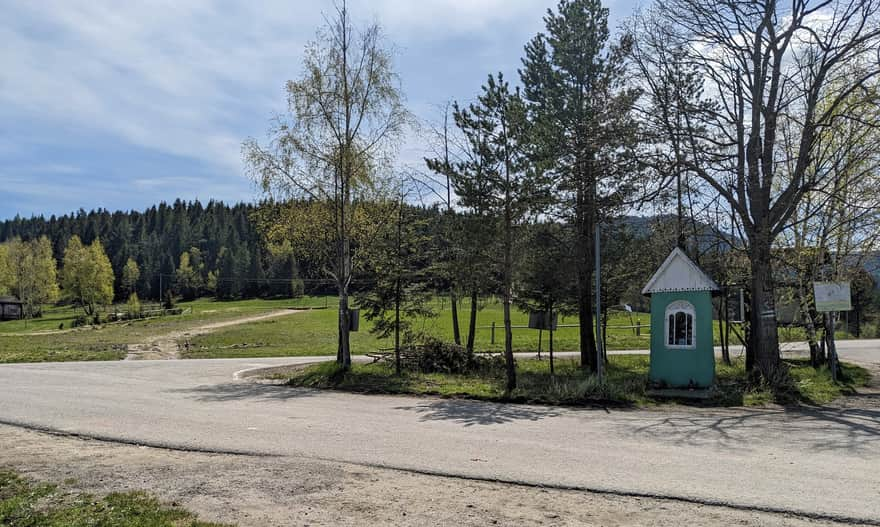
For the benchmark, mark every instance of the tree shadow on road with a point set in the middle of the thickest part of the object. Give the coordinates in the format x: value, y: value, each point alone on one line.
x: 470, y: 413
x: 239, y: 391
x: 817, y: 428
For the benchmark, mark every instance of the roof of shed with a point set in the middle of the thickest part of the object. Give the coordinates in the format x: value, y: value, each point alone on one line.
x: 679, y: 273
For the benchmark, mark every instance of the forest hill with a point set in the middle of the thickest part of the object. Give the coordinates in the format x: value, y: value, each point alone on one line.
x: 225, y: 251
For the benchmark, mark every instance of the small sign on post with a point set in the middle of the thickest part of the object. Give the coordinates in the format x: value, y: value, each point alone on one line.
x: 832, y: 296
x: 542, y: 320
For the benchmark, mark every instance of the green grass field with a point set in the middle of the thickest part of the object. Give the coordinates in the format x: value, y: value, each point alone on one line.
x: 314, y: 333
x: 39, y: 340
x: 306, y: 333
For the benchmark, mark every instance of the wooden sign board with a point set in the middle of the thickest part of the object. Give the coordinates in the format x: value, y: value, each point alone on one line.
x: 541, y: 320
x: 832, y: 296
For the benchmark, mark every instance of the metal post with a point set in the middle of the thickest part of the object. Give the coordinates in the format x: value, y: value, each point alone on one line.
x: 832, y: 346
x: 492, y: 341
x: 600, y: 363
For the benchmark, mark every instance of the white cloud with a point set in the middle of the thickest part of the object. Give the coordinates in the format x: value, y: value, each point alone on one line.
x: 194, y: 78
x: 168, y: 76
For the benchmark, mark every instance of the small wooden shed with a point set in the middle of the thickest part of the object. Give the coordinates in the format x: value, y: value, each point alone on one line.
x: 11, y: 308
x: 682, y: 347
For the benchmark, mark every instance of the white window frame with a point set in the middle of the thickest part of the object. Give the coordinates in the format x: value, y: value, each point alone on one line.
x: 680, y: 306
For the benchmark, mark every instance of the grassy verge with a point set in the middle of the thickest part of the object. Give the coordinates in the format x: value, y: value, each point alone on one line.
x: 24, y: 503
x: 625, y: 385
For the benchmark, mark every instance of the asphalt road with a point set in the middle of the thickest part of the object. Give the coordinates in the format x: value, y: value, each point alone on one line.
x: 821, y: 461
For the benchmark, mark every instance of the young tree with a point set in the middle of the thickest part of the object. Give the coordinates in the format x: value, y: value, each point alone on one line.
x: 87, y: 276
x: 5, y: 272
x: 31, y: 273
x: 499, y: 181
x: 546, y: 275
x: 584, y: 131
x: 345, y: 115
x: 836, y: 228
x: 398, y: 259
x: 187, y: 277
x: 765, y: 66
x: 447, y: 263
x: 131, y: 273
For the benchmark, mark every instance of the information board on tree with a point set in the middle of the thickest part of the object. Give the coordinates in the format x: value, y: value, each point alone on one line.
x: 832, y: 296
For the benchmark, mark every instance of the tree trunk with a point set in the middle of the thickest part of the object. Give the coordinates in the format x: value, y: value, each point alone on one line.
x: 508, y: 344
x: 585, y: 301
x: 816, y: 359
x: 397, y: 327
x: 724, y: 325
x: 832, y: 345
x: 472, y: 323
x: 344, y: 325
x: 552, y: 372
x: 456, y: 331
x: 762, y: 355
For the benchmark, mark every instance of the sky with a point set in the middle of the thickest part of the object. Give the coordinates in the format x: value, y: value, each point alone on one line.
x: 120, y: 105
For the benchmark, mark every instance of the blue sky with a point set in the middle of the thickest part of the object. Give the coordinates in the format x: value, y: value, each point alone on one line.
x: 124, y: 104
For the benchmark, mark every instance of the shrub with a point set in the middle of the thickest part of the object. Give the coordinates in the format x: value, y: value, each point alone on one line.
x: 133, y: 307
x: 79, y: 321
x: 297, y: 288
x: 169, y: 300
x: 436, y: 356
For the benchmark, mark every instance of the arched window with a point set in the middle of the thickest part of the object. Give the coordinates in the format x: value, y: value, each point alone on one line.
x: 680, y: 325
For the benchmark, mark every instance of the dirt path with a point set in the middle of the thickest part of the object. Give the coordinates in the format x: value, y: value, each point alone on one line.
x: 167, y: 347
x: 275, y: 491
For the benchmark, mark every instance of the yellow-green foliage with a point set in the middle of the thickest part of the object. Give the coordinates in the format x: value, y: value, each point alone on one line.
x: 4, y: 269
x: 28, y: 271
x: 134, y: 306
x: 131, y: 273
x: 87, y: 276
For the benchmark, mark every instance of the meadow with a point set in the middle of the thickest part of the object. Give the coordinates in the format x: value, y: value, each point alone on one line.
x: 310, y: 332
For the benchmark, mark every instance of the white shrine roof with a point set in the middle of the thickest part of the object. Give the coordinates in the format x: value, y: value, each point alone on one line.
x: 679, y: 273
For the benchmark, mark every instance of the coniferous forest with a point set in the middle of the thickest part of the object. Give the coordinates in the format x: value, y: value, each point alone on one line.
x: 220, y: 241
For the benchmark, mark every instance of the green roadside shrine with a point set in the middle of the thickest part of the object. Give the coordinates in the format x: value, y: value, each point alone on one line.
x: 682, y: 345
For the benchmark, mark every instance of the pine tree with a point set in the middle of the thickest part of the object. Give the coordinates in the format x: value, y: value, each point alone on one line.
x: 499, y: 181
x: 584, y: 130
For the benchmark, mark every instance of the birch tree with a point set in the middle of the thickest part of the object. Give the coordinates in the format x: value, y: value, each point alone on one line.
x: 344, y: 115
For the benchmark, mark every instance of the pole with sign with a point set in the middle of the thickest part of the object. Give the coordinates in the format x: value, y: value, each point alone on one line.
x: 832, y: 297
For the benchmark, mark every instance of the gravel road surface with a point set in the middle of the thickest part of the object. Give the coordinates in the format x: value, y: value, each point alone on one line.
x: 817, y: 462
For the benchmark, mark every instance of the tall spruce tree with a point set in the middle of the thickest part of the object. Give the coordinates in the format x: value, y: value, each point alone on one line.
x: 583, y: 131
